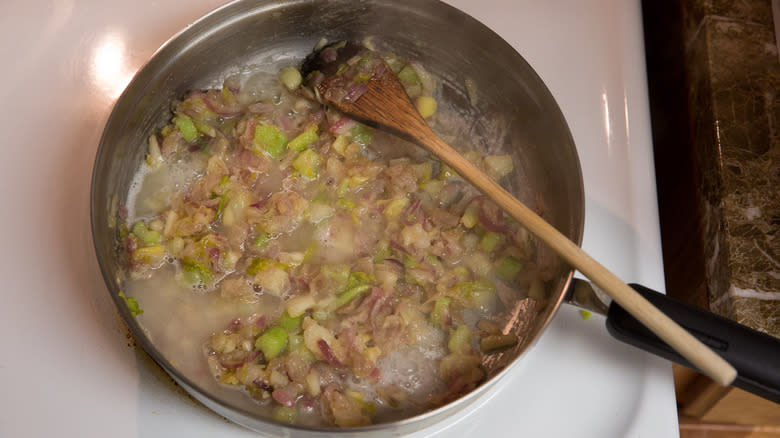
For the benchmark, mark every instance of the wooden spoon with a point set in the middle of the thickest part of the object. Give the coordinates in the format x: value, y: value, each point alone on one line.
x: 383, y: 103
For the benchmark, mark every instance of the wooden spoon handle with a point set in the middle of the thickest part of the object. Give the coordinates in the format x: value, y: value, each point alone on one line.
x: 678, y: 338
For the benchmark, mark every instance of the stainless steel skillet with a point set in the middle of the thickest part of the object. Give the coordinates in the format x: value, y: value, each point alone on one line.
x: 260, y: 34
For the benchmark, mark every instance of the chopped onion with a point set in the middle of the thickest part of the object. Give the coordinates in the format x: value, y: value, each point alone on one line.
x: 283, y: 398
x: 354, y: 92
x: 343, y: 126
x: 328, y: 354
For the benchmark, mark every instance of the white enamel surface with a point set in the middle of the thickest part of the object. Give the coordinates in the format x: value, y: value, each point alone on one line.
x: 65, y: 366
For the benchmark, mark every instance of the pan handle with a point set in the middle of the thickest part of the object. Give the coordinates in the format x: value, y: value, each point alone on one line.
x: 755, y: 355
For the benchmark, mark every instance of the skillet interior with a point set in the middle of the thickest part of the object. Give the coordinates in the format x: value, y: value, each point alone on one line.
x: 514, y: 113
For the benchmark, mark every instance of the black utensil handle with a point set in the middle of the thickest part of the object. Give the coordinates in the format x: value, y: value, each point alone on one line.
x: 755, y: 355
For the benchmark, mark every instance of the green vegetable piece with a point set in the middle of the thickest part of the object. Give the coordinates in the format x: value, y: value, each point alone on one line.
x: 408, y: 76
x: 270, y: 140
x: 361, y: 78
x: 440, y: 315
x: 350, y: 294
x: 307, y: 164
x: 339, y: 273
x: 320, y: 315
x: 284, y: 414
x: 474, y: 294
x: 358, y: 278
x: 343, y: 188
x: 304, y: 139
x: 409, y: 261
x: 272, y: 342
x: 196, y: 272
x: 426, y: 106
x: 289, y: 323
x: 460, y: 340
x: 296, y: 345
x: 508, y: 267
x: 295, y: 342
x: 132, y: 304
x: 262, y: 240
x: 585, y: 314
x: 291, y: 78
x: 221, y: 205
x: 362, y: 134
x: 149, y: 237
x: 258, y: 265
x: 205, y: 128
x: 461, y: 272
x: 382, y: 251
x: 186, y: 127
x: 490, y: 241
x: 470, y: 217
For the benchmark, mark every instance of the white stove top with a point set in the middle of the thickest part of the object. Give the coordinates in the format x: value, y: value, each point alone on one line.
x: 66, y: 368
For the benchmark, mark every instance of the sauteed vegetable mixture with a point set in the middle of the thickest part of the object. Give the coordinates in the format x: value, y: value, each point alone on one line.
x: 354, y: 277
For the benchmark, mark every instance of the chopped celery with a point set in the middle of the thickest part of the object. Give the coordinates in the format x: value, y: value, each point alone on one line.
x: 294, y: 342
x: 297, y: 346
x: 382, y: 251
x: 132, y: 304
x: 358, y: 278
x: 409, y: 76
x: 320, y: 315
x: 409, y: 261
x: 585, y: 314
x: 262, y: 240
x: 350, y: 294
x: 340, y: 273
x: 304, y: 139
x: 432, y: 187
x: 260, y: 264
x: 228, y: 95
x: 290, y: 77
x: 446, y: 173
x: 297, y: 306
x: 350, y: 183
x: 319, y: 211
x: 204, y: 127
x: 362, y: 78
x: 395, y: 207
x: 490, y: 241
x: 347, y: 205
x: 508, y: 267
x: 186, y: 127
x: 362, y: 134
x: 196, y: 272
x: 441, y: 311
x: 498, y: 166
x: 149, y: 237
x: 470, y: 217
x: 460, y: 340
x: 221, y: 205
x: 340, y: 144
x: 426, y: 106
x: 422, y: 171
x: 474, y: 294
x: 284, y: 414
x: 307, y: 164
x: 311, y: 250
x: 149, y: 254
x: 272, y: 342
x: 270, y: 140
x: 289, y: 323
